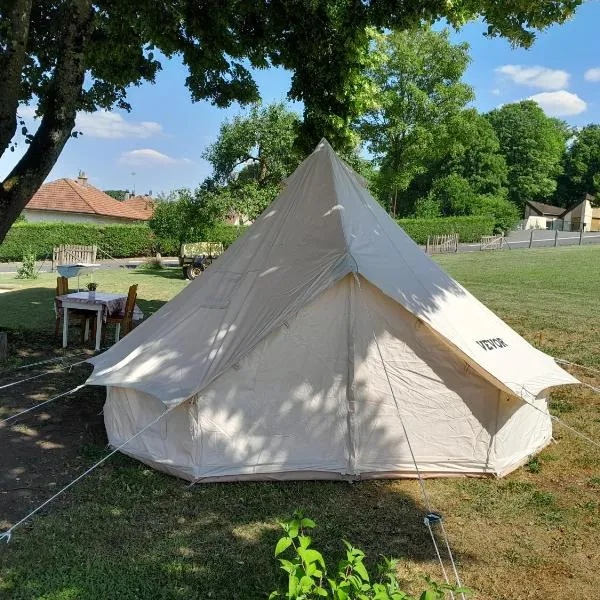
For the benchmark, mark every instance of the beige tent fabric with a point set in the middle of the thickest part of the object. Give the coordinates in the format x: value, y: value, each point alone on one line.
x: 269, y: 363
x: 283, y: 411
x: 324, y: 225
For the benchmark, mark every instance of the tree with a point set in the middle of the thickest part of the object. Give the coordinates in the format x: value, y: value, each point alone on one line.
x: 418, y: 90
x: 454, y: 195
x: 581, y: 167
x: 474, y: 153
x: 187, y: 216
x: 253, y: 155
x: 70, y: 55
x: 119, y: 195
x: 533, y: 146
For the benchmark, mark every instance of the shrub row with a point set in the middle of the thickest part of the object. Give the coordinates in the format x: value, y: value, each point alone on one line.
x: 116, y: 240
x: 137, y: 240
x: 469, y: 229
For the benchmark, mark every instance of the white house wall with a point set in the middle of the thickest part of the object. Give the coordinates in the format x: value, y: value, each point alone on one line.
x: 54, y: 216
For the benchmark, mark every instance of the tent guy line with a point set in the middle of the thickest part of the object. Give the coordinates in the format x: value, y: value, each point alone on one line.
x: 562, y: 361
x: 40, y: 404
x: 48, y: 372
x: 559, y: 420
x: 6, y: 535
x: 438, y: 518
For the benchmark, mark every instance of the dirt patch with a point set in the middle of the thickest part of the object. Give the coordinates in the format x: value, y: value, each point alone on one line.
x: 42, y: 451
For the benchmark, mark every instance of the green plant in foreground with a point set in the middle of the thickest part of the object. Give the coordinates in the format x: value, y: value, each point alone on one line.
x: 534, y: 465
x: 308, y: 577
x: 27, y: 268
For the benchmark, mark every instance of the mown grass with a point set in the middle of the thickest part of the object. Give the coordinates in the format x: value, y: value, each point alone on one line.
x: 129, y: 532
x: 30, y: 304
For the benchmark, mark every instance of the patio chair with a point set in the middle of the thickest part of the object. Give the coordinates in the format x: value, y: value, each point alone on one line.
x: 125, y: 319
x: 79, y: 316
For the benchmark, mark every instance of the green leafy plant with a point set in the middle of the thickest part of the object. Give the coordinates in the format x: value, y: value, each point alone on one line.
x: 92, y: 286
x: 308, y: 578
x: 27, y: 268
x: 534, y: 465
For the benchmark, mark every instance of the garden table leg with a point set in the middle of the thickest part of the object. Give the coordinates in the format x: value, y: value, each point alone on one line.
x: 65, y: 326
x: 99, y: 328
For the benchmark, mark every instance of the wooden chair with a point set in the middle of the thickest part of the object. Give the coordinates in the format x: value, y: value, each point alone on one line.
x: 79, y: 316
x: 125, y: 319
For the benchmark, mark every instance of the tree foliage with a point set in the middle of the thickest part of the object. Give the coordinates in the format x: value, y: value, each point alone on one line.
x: 71, y: 55
x: 252, y: 156
x: 187, y: 216
x: 119, y: 195
x: 581, y: 167
x: 417, y: 75
x: 533, y: 146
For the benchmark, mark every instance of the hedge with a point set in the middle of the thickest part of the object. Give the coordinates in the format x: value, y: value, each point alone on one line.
x: 122, y: 241
x: 469, y: 229
x: 118, y: 241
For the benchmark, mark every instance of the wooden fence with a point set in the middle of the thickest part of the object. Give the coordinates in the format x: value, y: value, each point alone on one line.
x: 439, y: 244
x: 492, y: 242
x: 73, y: 254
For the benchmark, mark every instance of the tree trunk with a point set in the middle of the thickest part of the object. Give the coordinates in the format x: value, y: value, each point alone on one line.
x: 16, y: 21
x: 60, y: 108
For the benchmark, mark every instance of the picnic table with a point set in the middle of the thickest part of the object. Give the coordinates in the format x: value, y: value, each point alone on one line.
x: 103, y: 304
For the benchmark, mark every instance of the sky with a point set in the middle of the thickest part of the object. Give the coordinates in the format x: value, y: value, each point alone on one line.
x: 158, y: 146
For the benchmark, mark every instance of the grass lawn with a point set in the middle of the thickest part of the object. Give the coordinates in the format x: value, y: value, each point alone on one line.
x: 31, y: 303
x: 129, y: 532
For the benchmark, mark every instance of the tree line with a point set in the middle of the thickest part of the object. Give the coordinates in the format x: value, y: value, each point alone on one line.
x: 423, y: 150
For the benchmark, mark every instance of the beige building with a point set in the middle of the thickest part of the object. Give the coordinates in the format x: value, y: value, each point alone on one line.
x: 581, y: 216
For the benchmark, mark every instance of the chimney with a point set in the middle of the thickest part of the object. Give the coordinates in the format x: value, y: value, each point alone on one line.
x: 127, y: 196
x: 82, y: 178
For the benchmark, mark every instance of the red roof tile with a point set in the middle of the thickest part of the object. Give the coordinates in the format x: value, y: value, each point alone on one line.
x: 143, y: 204
x: 72, y: 196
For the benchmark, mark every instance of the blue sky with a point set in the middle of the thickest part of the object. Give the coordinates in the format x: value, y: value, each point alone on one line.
x: 158, y: 145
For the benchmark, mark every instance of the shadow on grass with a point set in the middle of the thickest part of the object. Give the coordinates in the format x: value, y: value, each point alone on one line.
x: 131, y: 532
x: 128, y: 531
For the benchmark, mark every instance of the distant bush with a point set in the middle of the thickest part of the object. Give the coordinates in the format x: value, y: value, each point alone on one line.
x: 469, y: 229
x: 27, y: 268
x: 118, y: 241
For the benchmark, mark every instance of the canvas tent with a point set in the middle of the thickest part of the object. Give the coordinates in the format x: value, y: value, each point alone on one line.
x: 317, y: 346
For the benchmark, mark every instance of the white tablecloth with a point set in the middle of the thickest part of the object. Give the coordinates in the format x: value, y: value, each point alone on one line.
x: 112, y: 304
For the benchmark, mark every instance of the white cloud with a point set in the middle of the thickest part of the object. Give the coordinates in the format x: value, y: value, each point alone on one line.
x: 496, y: 91
x: 537, y: 77
x: 592, y: 74
x: 109, y: 125
x: 148, y: 157
x: 103, y: 124
x: 560, y: 104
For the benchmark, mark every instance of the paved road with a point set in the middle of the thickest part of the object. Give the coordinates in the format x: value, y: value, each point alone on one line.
x: 541, y: 239
x: 129, y: 263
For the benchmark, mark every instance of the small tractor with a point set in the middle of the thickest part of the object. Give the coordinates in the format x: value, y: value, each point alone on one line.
x: 194, y: 258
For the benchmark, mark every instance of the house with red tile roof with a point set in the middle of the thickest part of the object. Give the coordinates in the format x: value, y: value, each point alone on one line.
x: 76, y: 201
x: 143, y: 204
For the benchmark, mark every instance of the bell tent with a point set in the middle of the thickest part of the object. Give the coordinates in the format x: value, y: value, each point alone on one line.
x: 325, y: 344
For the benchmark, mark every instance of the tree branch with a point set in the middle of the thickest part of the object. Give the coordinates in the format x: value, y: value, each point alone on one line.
x: 59, y: 109
x: 16, y: 24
